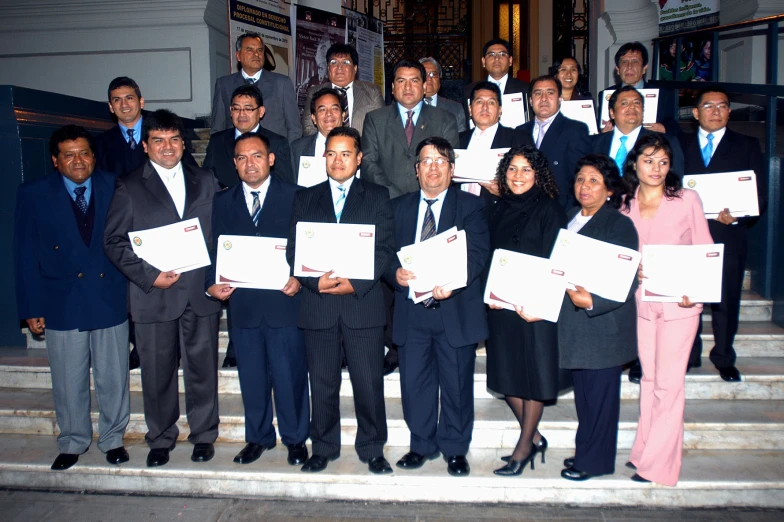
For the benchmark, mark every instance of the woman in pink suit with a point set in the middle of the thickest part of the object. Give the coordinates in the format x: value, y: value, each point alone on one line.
x: 664, y: 214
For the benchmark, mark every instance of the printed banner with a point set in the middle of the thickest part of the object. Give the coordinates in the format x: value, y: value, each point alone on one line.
x: 685, y: 15
x: 367, y: 36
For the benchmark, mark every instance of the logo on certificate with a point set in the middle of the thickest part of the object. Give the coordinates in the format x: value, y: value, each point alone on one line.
x: 137, y: 241
x: 407, y: 260
x: 692, y: 183
x: 309, y: 234
x: 457, y: 156
x: 227, y: 245
x: 306, y: 164
x: 503, y: 261
x: 565, y: 241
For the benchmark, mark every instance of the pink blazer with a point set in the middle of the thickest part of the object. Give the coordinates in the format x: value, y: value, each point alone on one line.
x: 679, y: 221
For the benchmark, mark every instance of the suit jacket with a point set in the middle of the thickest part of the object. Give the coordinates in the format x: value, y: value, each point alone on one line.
x: 606, y: 335
x: 564, y: 143
x: 248, y: 307
x: 735, y: 152
x: 220, y: 157
x: 512, y: 86
x: 602, y: 142
x: 71, y: 285
x: 140, y: 202
x: 366, y: 203
x: 367, y: 97
x: 281, y: 114
x: 387, y: 158
x: 456, y: 109
x: 666, y: 111
x: 463, y: 313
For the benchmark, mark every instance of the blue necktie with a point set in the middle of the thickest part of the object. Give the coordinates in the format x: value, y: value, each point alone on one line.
x: 707, y: 151
x: 131, y: 140
x: 81, y: 201
x: 620, y: 156
x: 256, y: 210
x: 340, y: 202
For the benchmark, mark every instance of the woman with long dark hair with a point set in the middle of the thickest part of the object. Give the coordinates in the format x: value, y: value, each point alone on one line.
x: 569, y: 72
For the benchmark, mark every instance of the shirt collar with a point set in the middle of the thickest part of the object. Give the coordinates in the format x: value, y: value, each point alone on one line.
x: 492, y: 129
x: 439, y: 198
x: 347, y: 87
x: 70, y: 185
x: 256, y: 76
x: 237, y: 132
x: 638, y: 85
x: 717, y: 135
x: 501, y: 80
x: 169, y: 174
x: 404, y: 112
x: 633, y: 135
x: 137, y: 130
x: 334, y: 184
x: 262, y: 189
x: 549, y: 120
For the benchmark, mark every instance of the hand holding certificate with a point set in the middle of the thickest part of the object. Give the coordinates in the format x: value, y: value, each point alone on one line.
x: 441, y: 261
x: 178, y: 247
x: 581, y: 110
x: 477, y: 166
x: 650, y: 105
x: 736, y: 191
x: 252, y: 262
x: 348, y: 250
x: 672, y: 271
x: 530, y: 282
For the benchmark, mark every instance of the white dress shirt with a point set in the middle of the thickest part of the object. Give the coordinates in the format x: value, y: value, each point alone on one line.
x: 256, y: 77
x: 616, y: 141
x: 578, y: 222
x: 333, y: 185
x: 545, y: 125
x: 174, y: 181
x: 483, y: 139
x: 262, y: 190
x: 436, y: 208
x: 501, y: 83
x: 238, y: 133
x: 702, y: 135
x: 321, y: 145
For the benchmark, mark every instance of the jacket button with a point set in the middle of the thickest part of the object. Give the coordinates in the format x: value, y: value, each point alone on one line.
x: 258, y: 234
x: 555, y: 163
x: 80, y: 275
x: 57, y: 247
x: 101, y: 275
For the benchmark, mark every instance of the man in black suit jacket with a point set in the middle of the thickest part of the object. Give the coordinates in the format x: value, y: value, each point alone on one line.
x: 326, y: 113
x: 165, y: 305
x: 339, y: 312
x: 562, y: 140
x: 728, y: 152
x: 247, y: 110
x: 269, y: 347
x: 437, y: 338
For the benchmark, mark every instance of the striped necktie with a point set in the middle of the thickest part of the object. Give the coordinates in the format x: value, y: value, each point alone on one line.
x: 131, y: 140
x: 256, y: 210
x: 340, y: 202
x: 344, y: 104
x: 428, y: 231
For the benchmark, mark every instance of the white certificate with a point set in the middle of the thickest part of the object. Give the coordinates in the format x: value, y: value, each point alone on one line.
x: 313, y: 170
x: 349, y: 250
x: 252, y: 262
x: 734, y: 190
x: 514, y: 110
x: 477, y: 165
x: 672, y: 271
x: 441, y: 261
x: 533, y: 283
x: 179, y: 246
x: 601, y: 268
x: 581, y: 110
x: 649, y: 108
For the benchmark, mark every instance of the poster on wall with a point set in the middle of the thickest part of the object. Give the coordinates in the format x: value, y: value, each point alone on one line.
x: 366, y: 34
x: 270, y: 19
x: 685, y: 15
x: 694, y: 63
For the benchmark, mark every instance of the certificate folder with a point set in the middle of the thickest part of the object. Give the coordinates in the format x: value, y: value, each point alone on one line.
x: 179, y: 247
x: 252, y: 262
x: 347, y: 249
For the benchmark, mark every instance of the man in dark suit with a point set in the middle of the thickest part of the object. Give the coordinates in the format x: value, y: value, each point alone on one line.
x: 358, y: 98
x: 282, y: 116
x: 433, y: 85
x: 392, y: 133
x: 562, y: 140
x: 66, y: 285
x: 497, y: 60
x: 437, y: 338
x: 631, y: 64
x: 167, y: 306
x: 119, y: 150
x: 247, y: 111
x: 326, y: 113
x: 269, y: 347
x: 713, y: 149
x: 345, y: 317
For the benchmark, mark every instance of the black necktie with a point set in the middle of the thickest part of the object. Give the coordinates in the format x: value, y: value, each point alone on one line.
x: 344, y: 104
x: 131, y: 140
x: 81, y: 201
x: 428, y: 231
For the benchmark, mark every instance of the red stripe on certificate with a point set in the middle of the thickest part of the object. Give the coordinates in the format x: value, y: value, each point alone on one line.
x: 191, y: 228
x: 366, y: 234
x: 712, y: 254
x: 624, y: 257
x: 280, y: 247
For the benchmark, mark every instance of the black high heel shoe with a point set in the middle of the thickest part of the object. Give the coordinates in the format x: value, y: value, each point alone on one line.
x: 516, y: 467
x: 541, y: 447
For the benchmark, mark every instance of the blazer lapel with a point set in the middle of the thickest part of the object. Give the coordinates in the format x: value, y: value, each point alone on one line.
x: 396, y: 128
x: 60, y: 204
x: 408, y: 215
x: 152, y: 182
x: 228, y: 142
x: 353, y: 200
x: 421, y: 125
x: 191, y: 189
x: 240, y: 207
x: 553, y: 133
x: 448, y: 211
x: 101, y: 200
x: 326, y: 204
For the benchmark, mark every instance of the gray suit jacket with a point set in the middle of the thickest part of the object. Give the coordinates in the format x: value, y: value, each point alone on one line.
x: 280, y: 104
x: 387, y: 158
x: 367, y: 97
x: 304, y: 146
x: 455, y: 108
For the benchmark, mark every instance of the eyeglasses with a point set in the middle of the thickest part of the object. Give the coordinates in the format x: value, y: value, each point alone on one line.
x: 500, y: 55
x: 340, y: 63
x: 236, y: 108
x: 438, y: 161
x: 433, y: 74
x: 710, y: 107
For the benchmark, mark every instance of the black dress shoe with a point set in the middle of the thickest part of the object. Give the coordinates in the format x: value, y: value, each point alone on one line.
x: 117, y: 456
x: 729, y: 374
x: 568, y: 463
x: 379, y: 466
x: 250, y: 453
x: 575, y: 474
x: 158, y: 456
x: 390, y: 366
x: 635, y: 372
x: 638, y: 478
x: 516, y: 467
x: 203, y: 452
x: 298, y: 454
x: 229, y: 362
x: 317, y: 463
x: 64, y: 461
x: 457, y: 466
x: 413, y: 460
x: 631, y: 466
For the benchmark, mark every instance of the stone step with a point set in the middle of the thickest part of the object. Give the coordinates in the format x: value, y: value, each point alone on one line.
x: 199, y: 146
x: 203, y: 134
x: 199, y: 157
x: 708, y: 478
x: 710, y: 424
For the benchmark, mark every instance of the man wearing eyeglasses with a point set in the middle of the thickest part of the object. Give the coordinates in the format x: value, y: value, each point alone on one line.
x: 714, y: 149
x: 433, y: 85
x: 357, y: 97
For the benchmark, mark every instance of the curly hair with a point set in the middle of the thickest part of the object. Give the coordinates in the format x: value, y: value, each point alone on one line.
x: 543, y: 178
x: 606, y: 166
x: 672, y: 181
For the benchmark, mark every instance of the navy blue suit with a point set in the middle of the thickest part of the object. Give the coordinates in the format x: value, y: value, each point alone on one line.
x: 437, y: 347
x: 269, y: 348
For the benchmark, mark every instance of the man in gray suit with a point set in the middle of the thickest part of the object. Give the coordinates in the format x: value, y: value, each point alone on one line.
x: 276, y: 89
x: 392, y: 133
x: 358, y: 97
x: 433, y: 85
x: 326, y: 113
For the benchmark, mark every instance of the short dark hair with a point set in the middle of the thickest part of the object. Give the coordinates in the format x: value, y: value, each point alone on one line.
x: 485, y: 85
x: 609, y: 171
x: 626, y: 88
x: 123, y: 81
x: 69, y: 133
x: 707, y: 90
x: 672, y: 181
x: 337, y: 49
x: 408, y: 64
x: 497, y: 41
x: 544, y: 179
x: 249, y: 136
x: 248, y: 90
x: 325, y: 91
x: 162, y: 119
x: 240, y: 38
x: 632, y: 47
x: 347, y: 132
x: 546, y: 78
x: 442, y: 146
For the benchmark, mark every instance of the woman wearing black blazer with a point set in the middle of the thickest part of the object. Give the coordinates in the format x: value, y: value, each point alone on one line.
x: 597, y: 336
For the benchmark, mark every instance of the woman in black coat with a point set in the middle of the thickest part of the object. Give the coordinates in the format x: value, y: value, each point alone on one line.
x: 597, y: 336
x: 522, y: 351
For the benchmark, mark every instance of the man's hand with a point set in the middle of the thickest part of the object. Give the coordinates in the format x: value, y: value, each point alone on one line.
x: 686, y: 302
x: 221, y: 291
x: 655, y: 127
x: 495, y: 307
x: 607, y: 126
x: 581, y: 298
x: 440, y: 294
x: 403, y: 276
x: 528, y: 318
x: 36, y: 325
x: 292, y: 287
x: 166, y: 279
x: 492, y: 188
x: 725, y: 218
x: 335, y: 285
x: 640, y: 275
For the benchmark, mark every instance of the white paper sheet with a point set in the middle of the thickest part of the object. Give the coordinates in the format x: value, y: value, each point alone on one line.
x: 650, y: 105
x: 734, y: 190
x: 252, y: 262
x: 179, y: 246
x: 477, y: 165
x: 514, y: 110
x: 313, y: 170
x: 441, y: 261
x: 581, y: 110
x: 347, y: 249
x: 672, y: 271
